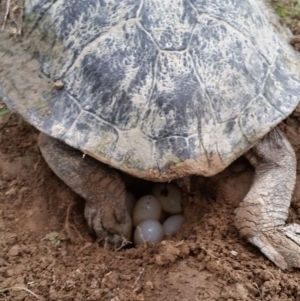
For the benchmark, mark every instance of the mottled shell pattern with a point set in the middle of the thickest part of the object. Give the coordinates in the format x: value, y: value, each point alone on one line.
x: 158, y: 89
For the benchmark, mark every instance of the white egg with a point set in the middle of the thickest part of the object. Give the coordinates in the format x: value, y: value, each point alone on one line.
x: 172, y: 224
x: 169, y: 197
x: 149, y: 230
x: 130, y: 202
x: 147, y: 207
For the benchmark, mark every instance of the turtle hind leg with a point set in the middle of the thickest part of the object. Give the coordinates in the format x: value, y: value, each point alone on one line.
x: 261, y: 216
x: 100, y: 186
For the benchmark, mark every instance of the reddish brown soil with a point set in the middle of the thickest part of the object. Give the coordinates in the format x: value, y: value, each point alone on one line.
x: 46, y: 252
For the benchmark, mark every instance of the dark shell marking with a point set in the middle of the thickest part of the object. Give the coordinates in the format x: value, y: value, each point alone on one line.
x: 150, y: 84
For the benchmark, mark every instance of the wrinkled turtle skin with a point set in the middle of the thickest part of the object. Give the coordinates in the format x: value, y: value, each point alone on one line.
x: 162, y: 90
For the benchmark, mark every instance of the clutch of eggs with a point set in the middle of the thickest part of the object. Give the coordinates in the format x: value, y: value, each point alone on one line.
x: 149, y: 213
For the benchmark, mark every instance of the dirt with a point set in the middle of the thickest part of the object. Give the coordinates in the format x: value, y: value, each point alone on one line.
x: 47, y: 253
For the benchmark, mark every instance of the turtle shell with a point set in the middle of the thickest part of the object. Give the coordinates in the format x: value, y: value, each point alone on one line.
x: 158, y: 89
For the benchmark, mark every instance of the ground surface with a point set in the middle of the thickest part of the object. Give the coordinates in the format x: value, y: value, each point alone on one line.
x: 46, y: 252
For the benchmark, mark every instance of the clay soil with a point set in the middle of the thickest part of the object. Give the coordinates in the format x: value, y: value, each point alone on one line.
x: 47, y: 253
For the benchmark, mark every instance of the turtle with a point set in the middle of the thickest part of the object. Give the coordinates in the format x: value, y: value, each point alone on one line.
x: 159, y: 90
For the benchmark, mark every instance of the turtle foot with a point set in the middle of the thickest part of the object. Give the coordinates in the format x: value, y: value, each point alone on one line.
x: 280, y: 245
x: 262, y: 214
x: 109, y: 231
x: 100, y: 186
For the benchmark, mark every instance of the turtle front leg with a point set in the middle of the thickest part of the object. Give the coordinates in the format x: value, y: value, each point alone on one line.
x: 100, y: 186
x: 261, y: 216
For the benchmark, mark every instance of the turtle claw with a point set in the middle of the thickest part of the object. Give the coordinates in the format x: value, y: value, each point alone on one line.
x: 292, y: 231
x: 113, y: 234
x: 281, y: 245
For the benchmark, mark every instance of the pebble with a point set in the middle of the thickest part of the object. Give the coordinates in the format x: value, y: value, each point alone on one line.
x: 125, y: 277
x: 234, y: 253
x: 11, y: 191
x: 58, y: 85
x: 150, y: 285
x: 14, y: 251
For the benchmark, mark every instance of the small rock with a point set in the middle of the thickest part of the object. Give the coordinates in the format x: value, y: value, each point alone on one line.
x: 58, y: 85
x: 14, y: 251
x: 158, y: 260
x: 125, y: 277
x: 150, y: 285
x: 233, y: 253
x: 11, y: 191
